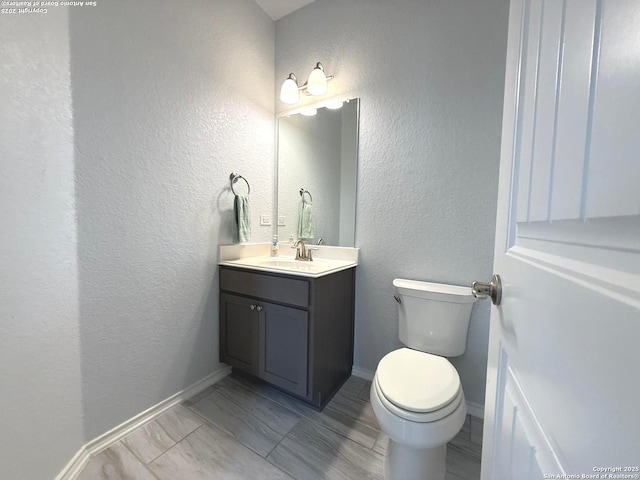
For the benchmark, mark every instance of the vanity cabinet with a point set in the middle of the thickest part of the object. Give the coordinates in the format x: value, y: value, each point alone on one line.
x: 293, y: 332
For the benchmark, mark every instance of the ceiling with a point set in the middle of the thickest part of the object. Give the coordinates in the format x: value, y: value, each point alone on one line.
x: 279, y: 8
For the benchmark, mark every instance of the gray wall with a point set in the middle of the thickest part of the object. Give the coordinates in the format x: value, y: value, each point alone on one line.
x: 168, y: 99
x: 40, y: 380
x: 108, y: 286
x: 430, y: 78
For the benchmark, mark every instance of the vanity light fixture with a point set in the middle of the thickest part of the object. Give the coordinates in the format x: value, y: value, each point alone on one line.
x: 334, y: 105
x: 316, y: 85
x: 289, y: 93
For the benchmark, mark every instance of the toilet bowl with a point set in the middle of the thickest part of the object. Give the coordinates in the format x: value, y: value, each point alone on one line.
x: 419, y: 420
x: 416, y: 395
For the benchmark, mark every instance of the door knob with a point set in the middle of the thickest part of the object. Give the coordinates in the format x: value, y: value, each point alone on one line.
x: 259, y: 308
x: 252, y: 307
x: 493, y: 289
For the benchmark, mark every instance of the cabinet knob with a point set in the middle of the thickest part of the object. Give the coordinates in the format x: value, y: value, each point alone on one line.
x: 252, y: 307
x: 259, y: 308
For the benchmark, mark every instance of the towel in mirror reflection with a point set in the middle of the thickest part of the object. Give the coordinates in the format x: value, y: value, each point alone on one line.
x: 305, y: 221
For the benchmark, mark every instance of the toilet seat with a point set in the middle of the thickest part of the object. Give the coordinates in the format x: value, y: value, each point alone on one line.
x: 418, y: 386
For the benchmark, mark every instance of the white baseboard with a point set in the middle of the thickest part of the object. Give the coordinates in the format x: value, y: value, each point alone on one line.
x: 473, y: 409
x: 104, y: 441
x: 362, y: 373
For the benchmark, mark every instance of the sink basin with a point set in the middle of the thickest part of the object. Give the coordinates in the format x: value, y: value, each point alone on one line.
x: 315, y: 268
x: 283, y: 263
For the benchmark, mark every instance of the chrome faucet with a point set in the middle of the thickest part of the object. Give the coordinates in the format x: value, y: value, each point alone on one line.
x: 302, y: 252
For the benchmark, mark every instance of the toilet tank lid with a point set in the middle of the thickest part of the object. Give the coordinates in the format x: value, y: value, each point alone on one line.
x: 434, y: 291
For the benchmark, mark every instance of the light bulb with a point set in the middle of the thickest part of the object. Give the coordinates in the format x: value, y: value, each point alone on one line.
x: 289, y: 92
x: 334, y: 105
x: 308, y: 112
x: 317, y: 83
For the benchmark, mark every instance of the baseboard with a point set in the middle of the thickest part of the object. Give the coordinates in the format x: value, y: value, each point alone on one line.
x: 473, y: 409
x: 104, y: 441
x: 75, y: 465
x: 362, y: 373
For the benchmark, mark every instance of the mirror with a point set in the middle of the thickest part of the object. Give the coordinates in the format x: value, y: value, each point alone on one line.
x: 317, y: 171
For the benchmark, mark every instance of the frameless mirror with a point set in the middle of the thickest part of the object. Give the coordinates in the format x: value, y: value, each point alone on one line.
x: 317, y: 171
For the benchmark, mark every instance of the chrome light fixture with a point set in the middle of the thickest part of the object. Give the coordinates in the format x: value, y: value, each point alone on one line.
x: 316, y: 85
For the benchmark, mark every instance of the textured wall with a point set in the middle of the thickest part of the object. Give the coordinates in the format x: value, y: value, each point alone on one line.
x: 40, y: 384
x: 169, y: 98
x: 430, y: 78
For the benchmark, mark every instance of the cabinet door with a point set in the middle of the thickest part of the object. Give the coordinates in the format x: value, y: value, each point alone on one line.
x: 284, y: 347
x: 239, y: 332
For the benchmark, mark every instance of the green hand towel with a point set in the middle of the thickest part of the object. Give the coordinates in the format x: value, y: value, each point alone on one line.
x: 305, y: 221
x: 242, y: 219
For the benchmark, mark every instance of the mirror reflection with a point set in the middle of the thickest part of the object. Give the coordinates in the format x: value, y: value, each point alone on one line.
x: 317, y: 171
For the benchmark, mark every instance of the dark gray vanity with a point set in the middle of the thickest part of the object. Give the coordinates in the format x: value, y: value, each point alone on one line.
x: 293, y: 332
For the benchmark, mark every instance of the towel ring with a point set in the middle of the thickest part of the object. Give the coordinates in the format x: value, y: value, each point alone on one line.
x: 302, y: 192
x: 234, y: 177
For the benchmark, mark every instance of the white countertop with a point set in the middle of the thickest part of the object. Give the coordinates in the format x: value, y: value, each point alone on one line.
x: 256, y: 256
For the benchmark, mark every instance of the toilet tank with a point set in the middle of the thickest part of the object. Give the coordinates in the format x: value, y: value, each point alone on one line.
x: 433, y: 317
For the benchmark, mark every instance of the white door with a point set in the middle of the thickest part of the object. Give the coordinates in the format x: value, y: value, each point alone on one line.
x: 563, y: 385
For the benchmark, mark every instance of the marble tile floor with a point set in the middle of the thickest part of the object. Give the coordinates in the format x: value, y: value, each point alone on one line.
x: 239, y: 429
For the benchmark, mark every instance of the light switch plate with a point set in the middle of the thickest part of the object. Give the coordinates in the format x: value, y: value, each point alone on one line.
x: 281, y: 221
x: 265, y: 219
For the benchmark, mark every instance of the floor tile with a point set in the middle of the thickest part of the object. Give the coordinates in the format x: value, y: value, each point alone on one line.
x: 352, y: 386
x: 208, y: 454
x: 365, y: 392
x: 223, y: 411
x: 462, y: 466
x: 115, y: 463
x: 179, y: 422
x: 464, y: 446
x: 381, y: 443
x: 148, y: 441
x: 225, y: 432
x: 476, y: 430
x: 273, y: 394
x: 276, y: 416
x: 351, y: 417
x: 207, y: 391
x: 466, y: 427
x: 311, y: 451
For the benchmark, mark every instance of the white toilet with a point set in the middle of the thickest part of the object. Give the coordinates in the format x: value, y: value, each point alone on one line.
x: 416, y: 393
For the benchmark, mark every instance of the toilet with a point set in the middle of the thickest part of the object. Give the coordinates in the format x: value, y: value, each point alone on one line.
x: 416, y: 393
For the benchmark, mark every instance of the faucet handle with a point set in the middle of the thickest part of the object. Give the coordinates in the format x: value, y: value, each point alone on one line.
x: 309, y: 257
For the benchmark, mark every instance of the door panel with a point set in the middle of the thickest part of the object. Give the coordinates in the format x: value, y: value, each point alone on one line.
x: 562, y: 382
x: 284, y: 347
x: 239, y: 333
x: 572, y: 108
x: 611, y: 191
